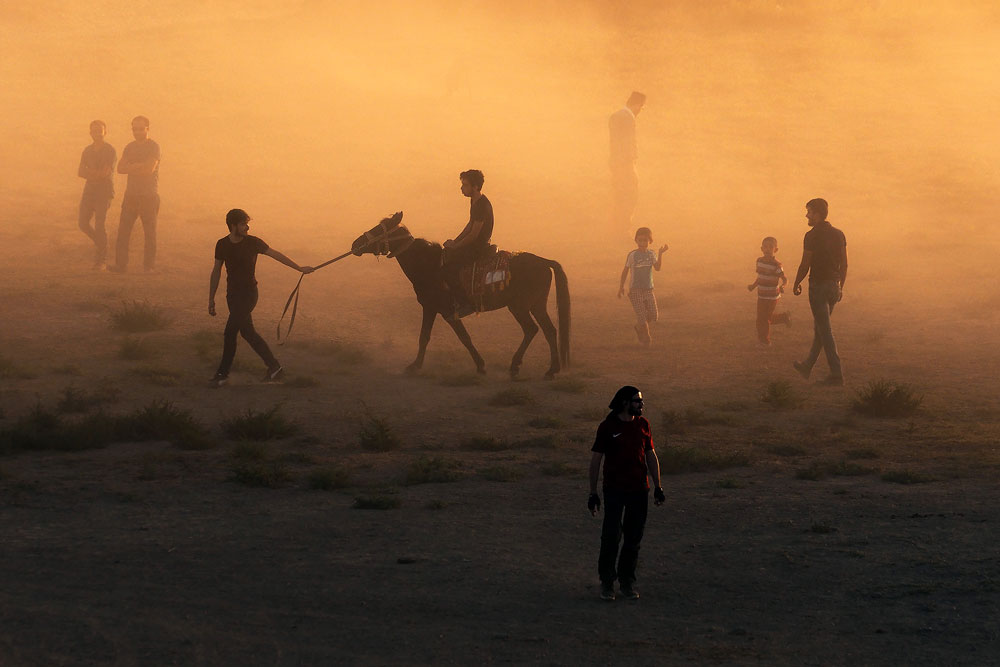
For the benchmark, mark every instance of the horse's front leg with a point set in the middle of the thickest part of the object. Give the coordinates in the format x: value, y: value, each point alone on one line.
x: 425, y: 337
x: 463, y: 335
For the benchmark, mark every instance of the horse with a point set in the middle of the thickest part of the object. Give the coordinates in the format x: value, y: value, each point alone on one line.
x: 526, y: 296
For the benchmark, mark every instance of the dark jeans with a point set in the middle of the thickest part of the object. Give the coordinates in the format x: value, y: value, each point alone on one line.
x: 455, y: 261
x: 822, y: 299
x: 624, y: 515
x: 241, y: 305
x: 145, y: 207
x: 96, y: 207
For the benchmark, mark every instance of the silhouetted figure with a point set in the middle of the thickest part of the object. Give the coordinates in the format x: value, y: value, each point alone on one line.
x: 472, y: 242
x: 641, y: 262
x: 824, y: 258
x: 141, y: 162
x: 625, y: 443
x: 769, y: 274
x: 623, y: 156
x: 97, y: 166
x: 238, y: 251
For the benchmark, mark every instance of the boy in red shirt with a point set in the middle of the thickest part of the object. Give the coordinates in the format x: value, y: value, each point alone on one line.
x: 625, y: 443
x: 769, y: 273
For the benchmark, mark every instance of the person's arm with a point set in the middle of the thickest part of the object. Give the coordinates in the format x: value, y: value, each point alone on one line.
x: 653, y: 467
x: 659, y: 257
x: 468, y: 235
x: 595, y: 470
x: 274, y: 254
x: 621, y: 285
x: 83, y: 171
x: 213, y: 286
x: 843, y: 266
x: 754, y: 284
x: 800, y: 275
x: 145, y: 167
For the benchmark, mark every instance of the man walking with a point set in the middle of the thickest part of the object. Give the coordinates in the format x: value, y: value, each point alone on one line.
x: 97, y: 164
x: 238, y: 251
x: 824, y: 258
x: 471, y: 243
x: 623, y: 155
x: 625, y: 443
x: 141, y: 162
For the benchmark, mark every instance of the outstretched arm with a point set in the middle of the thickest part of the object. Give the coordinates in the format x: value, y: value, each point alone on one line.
x: 274, y: 254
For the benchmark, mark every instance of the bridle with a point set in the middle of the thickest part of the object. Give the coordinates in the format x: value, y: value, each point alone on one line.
x: 389, y: 241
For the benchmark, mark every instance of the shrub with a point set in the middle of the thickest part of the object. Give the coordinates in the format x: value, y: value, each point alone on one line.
x: 162, y: 420
x: 886, y: 398
x: 329, y: 478
x: 80, y: 400
x: 139, y: 317
x: 906, y: 477
x: 501, y: 474
x: 434, y: 469
x: 377, y: 436
x: 267, y: 474
x: 512, y: 396
x: 254, y: 425
x: 249, y: 451
x: 676, y: 460
x: 376, y: 503
x: 781, y: 396
x: 41, y: 429
x: 136, y: 349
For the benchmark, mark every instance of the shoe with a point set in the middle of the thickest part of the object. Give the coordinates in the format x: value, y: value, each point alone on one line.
x: 831, y: 381
x: 803, y: 370
x: 274, y: 374
x: 218, y: 380
x: 629, y: 593
x: 607, y: 592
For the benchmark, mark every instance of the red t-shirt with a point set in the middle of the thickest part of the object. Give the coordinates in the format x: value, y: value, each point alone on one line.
x: 624, y: 445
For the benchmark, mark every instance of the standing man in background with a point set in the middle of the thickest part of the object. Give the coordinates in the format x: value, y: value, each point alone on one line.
x: 141, y: 162
x: 97, y: 164
x: 624, y: 152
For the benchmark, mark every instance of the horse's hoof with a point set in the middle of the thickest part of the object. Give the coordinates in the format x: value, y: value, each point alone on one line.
x: 550, y: 375
x: 481, y: 370
x: 513, y: 373
x: 412, y: 369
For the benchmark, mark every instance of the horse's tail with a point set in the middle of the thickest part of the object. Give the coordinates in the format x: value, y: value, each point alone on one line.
x: 562, y: 303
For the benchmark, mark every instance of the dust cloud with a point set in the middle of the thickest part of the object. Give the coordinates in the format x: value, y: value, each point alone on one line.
x: 321, y: 117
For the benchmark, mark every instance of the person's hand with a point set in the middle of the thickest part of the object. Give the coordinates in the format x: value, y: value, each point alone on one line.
x: 750, y: 287
x: 658, y: 497
x: 621, y: 292
x: 797, y: 289
x: 663, y: 248
x: 594, y: 504
x: 306, y: 269
x: 211, y: 308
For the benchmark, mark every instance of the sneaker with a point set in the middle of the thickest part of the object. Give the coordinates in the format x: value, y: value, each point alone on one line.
x: 831, y: 381
x: 803, y: 370
x: 274, y: 374
x: 629, y: 593
x: 218, y: 380
x: 607, y: 592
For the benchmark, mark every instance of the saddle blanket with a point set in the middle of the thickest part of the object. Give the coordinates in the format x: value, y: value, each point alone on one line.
x: 487, y: 275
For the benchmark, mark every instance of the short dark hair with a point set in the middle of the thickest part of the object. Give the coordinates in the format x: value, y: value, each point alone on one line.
x: 635, y: 98
x: 473, y: 176
x: 644, y: 230
x: 145, y: 121
x: 100, y: 123
x: 818, y: 205
x: 235, y: 217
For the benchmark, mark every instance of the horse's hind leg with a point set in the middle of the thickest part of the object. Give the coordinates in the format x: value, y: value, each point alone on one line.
x: 528, y: 326
x: 549, y: 331
x: 463, y: 335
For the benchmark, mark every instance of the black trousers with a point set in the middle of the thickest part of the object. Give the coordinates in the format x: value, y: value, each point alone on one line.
x: 455, y: 261
x: 624, y: 516
x: 241, y: 305
x: 135, y: 207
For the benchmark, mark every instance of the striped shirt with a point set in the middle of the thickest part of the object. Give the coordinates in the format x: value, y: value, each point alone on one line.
x: 769, y: 274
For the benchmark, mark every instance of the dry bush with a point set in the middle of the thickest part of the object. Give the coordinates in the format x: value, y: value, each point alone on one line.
x: 255, y: 425
x: 780, y: 395
x: 266, y: 474
x: 329, y: 478
x: 134, y: 348
x: 886, y: 398
x: 81, y: 400
x: 431, y: 470
x: 376, y: 435
x: 139, y: 317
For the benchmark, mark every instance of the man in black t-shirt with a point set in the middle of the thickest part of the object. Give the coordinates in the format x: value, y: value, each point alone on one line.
x: 824, y: 258
x: 97, y: 164
x: 471, y: 243
x: 625, y: 443
x: 238, y: 251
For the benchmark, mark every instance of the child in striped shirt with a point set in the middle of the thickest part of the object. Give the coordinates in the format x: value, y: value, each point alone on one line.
x: 641, y: 262
x: 769, y: 273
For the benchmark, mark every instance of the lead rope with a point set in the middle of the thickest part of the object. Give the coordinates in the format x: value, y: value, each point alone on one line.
x: 295, y: 295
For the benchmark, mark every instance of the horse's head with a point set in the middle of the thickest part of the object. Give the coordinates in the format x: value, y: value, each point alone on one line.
x: 376, y: 239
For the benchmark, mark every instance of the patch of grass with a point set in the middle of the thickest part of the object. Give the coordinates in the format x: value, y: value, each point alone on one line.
x: 259, y: 425
x: 546, y: 422
x: 431, y: 470
x: 376, y: 435
x: 861, y: 453
x: 42, y: 429
x: 818, y: 470
x: 461, y: 380
x: 378, y: 502
x: 729, y: 483
x: 786, y: 450
x: 906, y: 477
x: 435, y: 505
x: 162, y: 420
x: 500, y: 474
x: 781, y: 396
x: 81, y: 400
x: 559, y: 469
x: 329, y: 478
x: 267, y: 474
x: 302, y: 382
x: 547, y: 441
x: 677, y: 422
x: 161, y: 377
x: 512, y: 396
x: 135, y: 348
x: 484, y: 443
x: 886, y: 398
x: 677, y: 460
x: 568, y: 385
x: 139, y: 317
x: 68, y: 369
x: 249, y: 451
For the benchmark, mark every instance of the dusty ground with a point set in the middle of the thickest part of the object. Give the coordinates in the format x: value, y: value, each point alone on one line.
x: 148, y: 553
